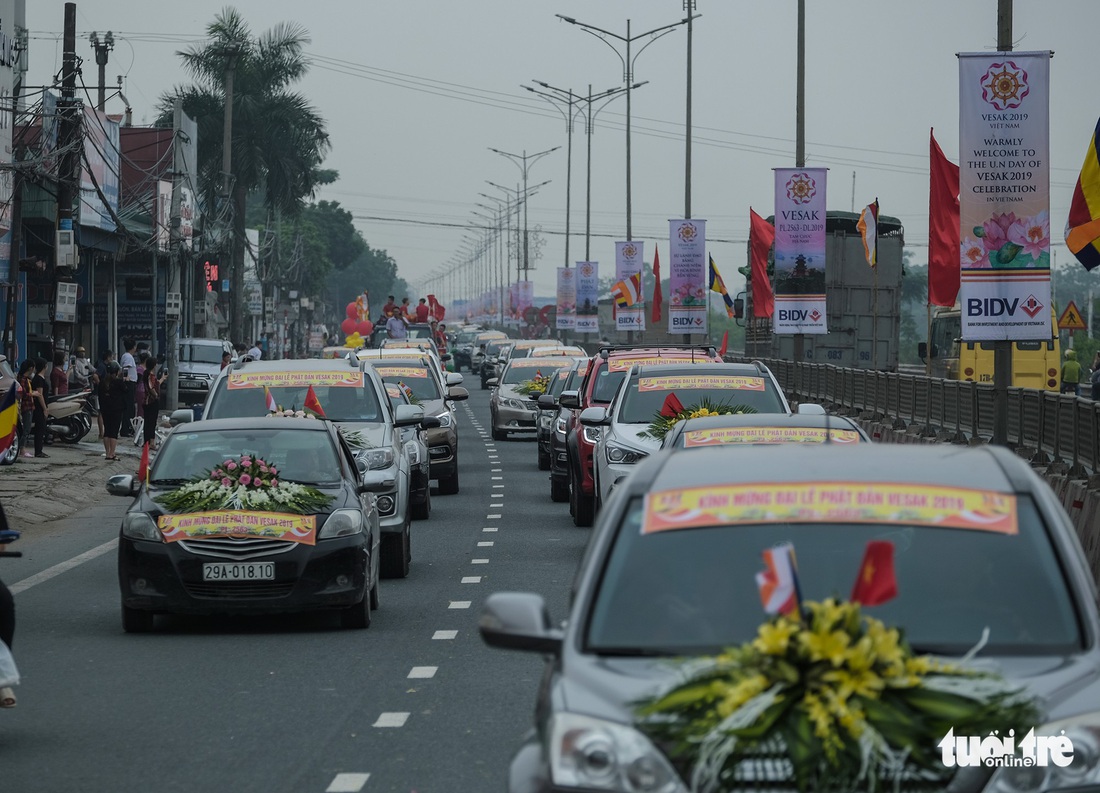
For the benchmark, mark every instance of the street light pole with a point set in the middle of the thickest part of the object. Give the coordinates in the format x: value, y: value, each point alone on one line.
x: 521, y: 162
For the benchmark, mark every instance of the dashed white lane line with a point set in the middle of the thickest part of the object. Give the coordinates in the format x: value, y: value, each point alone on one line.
x: 460, y: 604
x: 422, y: 672
x: 63, y: 567
x: 479, y: 561
x: 496, y: 487
x: 391, y: 719
x: 485, y: 544
x: 494, y: 478
x: 496, y: 470
x: 496, y: 495
x: 492, y: 456
x: 444, y: 635
x: 490, y: 528
x: 494, y: 517
x: 471, y: 579
x: 347, y: 783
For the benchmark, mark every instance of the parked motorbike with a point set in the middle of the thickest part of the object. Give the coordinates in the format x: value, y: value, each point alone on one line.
x: 66, y: 417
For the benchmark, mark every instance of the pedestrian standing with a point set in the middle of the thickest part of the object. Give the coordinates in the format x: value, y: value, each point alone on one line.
x: 387, y: 310
x: 26, y: 407
x: 129, y: 384
x: 406, y: 309
x: 41, y: 390
x: 1071, y: 374
x: 1095, y: 378
x: 101, y: 375
x: 255, y: 351
x: 59, y: 378
x: 396, y: 325
x: 112, y: 404
x: 422, y: 311
x: 227, y: 358
x: 151, y: 389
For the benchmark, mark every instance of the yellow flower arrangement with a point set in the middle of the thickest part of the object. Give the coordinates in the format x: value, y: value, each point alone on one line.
x: 535, y: 387
x: 838, y: 693
x: 662, y: 424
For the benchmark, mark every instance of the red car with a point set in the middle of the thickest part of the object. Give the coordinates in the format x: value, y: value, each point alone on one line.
x: 606, y: 373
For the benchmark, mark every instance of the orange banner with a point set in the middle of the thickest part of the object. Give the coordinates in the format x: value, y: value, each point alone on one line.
x: 296, y: 379
x: 721, y: 435
x: 539, y: 363
x: 400, y: 371
x: 407, y: 344
x: 270, y: 525
x: 831, y: 502
x: 622, y: 364
x: 695, y: 382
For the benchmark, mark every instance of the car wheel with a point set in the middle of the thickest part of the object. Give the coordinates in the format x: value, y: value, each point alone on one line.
x: 422, y: 510
x: 498, y: 435
x: 484, y: 384
x: 12, y: 454
x: 136, y: 620
x: 449, y: 486
x: 559, y: 490
x: 374, y: 596
x: 544, y: 461
x: 395, y: 554
x: 572, y: 495
x: 357, y: 617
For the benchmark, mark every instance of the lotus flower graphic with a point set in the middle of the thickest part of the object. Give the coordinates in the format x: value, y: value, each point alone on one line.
x: 687, y: 232
x: 1004, y: 85
x: 801, y: 188
x: 629, y: 251
x: 586, y: 270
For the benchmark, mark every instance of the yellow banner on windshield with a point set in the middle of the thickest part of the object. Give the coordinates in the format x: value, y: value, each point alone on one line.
x: 296, y: 379
x: 539, y: 363
x: 722, y: 435
x: 209, y: 525
x: 694, y: 382
x: 407, y: 344
x: 622, y: 364
x: 400, y: 371
x: 831, y: 502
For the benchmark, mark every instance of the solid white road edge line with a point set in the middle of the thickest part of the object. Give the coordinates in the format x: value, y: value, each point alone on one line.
x: 63, y: 567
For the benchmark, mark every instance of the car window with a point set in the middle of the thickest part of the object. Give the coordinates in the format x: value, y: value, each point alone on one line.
x: 525, y: 369
x: 417, y: 378
x: 694, y: 590
x: 340, y: 403
x: 298, y: 455
x: 644, y: 396
x: 607, y: 383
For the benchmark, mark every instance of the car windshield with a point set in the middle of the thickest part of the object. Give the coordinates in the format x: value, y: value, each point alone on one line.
x: 339, y: 403
x: 689, y: 591
x: 201, y: 353
x: 417, y: 378
x: 493, y: 347
x: 529, y: 368
x: 561, y: 379
x: 607, y: 383
x: 419, y: 332
x: 840, y: 431
x: 645, y: 395
x: 304, y: 456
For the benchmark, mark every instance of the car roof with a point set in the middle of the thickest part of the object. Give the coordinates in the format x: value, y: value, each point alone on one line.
x: 690, y: 368
x: 943, y: 465
x: 291, y: 364
x: 810, y: 420
x: 683, y: 352
x: 255, y: 423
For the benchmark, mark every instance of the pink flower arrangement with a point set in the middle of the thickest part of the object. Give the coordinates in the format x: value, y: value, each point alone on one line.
x: 246, y: 471
x: 245, y: 480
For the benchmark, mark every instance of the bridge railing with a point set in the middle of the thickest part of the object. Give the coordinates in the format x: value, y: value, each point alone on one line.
x: 1060, y: 426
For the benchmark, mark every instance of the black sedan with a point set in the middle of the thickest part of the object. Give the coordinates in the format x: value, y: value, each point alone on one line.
x: 248, y: 516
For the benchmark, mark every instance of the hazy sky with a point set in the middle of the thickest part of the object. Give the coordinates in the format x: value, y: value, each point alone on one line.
x: 415, y: 92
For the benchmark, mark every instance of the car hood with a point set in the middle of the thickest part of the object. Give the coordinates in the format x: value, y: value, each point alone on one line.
x: 195, y: 367
x: 631, y: 434
x: 607, y: 688
x: 434, y: 407
x: 373, y: 433
x: 509, y: 392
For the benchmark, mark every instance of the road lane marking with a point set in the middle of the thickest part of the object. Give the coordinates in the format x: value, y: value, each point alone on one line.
x: 492, y: 457
x: 444, y: 635
x: 490, y: 528
x: 498, y: 486
x: 392, y: 719
x: 347, y: 783
x: 496, y: 470
x: 479, y: 561
x: 492, y: 517
x: 492, y: 506
x: 471, y: 579
x: 496, y: 477
x: 63, y: 567
x: 422, y: 672
x: 485, y: 544
x: 460, y: 604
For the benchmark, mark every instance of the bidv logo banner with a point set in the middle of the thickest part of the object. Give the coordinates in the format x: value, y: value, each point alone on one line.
x: 1004, y: 196
x: 629, y: 256
x: 687, y: 276
x: 800, y: 251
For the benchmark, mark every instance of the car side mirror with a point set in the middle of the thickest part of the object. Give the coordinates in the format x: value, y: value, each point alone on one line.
x: 408, y: 415
x: 570, y: 400
x: 547, y: 402
x: 123, y: 485
x: 430, y: 423
x: 810, y: 409
x: 181, y: 416
x: 453, y: 378
x: 594, y: 417
x: 491, y: 382
x: 457, y: 393
x: 922, y: 350
x: 519, y: 621
x: 377, y: 481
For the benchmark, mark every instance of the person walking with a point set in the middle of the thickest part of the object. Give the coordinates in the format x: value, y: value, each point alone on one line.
x: 152, y: 384
x: 112, y: 404
x: 128, y: 365
x: 1071, y: 374
x: 41, y: 390
x: 26, y: 407
x: 100, y: 375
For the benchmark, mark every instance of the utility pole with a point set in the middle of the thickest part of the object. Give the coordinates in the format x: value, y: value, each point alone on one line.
x: 521, y: 161
x: 69, y: 139
x: 236, y: 257
x: 800, y: 133
x: 1002, y: 350
x: 689, y: 7
x: 9, y: 342
x: 102, y: 50
x: 172, y: 323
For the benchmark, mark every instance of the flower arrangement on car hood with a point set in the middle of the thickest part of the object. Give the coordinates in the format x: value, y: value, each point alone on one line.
x: 673, y: 412
x: 535, y: 387
x: 838, y: 696
x: 246, y: 482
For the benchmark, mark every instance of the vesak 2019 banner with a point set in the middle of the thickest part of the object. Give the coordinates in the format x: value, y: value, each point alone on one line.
x: 800, y: 251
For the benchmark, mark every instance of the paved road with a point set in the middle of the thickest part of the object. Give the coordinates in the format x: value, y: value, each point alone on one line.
x: 291, y: 704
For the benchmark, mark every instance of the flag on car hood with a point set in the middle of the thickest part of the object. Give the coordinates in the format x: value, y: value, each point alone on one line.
x: 778, y: 584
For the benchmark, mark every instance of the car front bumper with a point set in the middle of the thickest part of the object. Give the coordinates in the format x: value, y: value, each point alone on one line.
x: 443, y: 451
x: 510, y: 419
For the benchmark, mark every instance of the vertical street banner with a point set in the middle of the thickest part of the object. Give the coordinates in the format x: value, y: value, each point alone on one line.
x: 629, y: 257
x: 526, y: 296
x: 800, y: 251
x: 1004, y: 196
x: 687, y: 276
x: 567, y: 299
x: 588, y: 297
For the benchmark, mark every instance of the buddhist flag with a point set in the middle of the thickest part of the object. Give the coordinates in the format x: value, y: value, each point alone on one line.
x: 719, y: 286
x: 778, y: 584
x: 658, y: 295
x: 270, y: 400
x: 628, y: 291
x: 312, y: 404
x: 761, y: 238
x: 143, y: 466
x: 944, y: 235
x: 9, y: 419
x: 876, y: 582
x: 1083, y: 224
x: 868, y: 232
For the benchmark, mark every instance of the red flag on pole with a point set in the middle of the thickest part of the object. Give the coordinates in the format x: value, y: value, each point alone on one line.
x: 761, y: 237
x: 725, y: 344
x: 658, y: 295
x: 943, y: 228
x: 312, y: 404
x: 143, y: 466
x: 672, y: 406
x: 876, y: 582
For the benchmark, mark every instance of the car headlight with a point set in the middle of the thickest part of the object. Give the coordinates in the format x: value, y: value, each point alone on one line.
x: 514, y: 404
x: 1083, y: 770
x: 377, y: 458
x: 445, y: 419
x: 342, y: 523
x: 622, y: 455
x: 560, y: 425
x: 140, y: 526
x: 546, y: 421
x: 592, y: 434
x: 412, y: 451
x: 386, y: 505
x: 601, y: 755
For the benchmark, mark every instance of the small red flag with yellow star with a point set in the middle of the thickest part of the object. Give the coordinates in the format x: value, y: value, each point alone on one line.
x: 876, y: 582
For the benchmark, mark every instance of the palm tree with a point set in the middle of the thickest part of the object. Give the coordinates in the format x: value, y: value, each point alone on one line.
x: 278, y: 138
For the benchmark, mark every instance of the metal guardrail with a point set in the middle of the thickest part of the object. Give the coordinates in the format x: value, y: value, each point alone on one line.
x: 1057, y: 427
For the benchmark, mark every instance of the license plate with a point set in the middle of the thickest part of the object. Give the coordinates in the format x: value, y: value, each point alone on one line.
x: 250, y: 571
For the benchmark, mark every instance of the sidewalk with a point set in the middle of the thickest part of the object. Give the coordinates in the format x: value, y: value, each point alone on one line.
x: 43, y: 490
